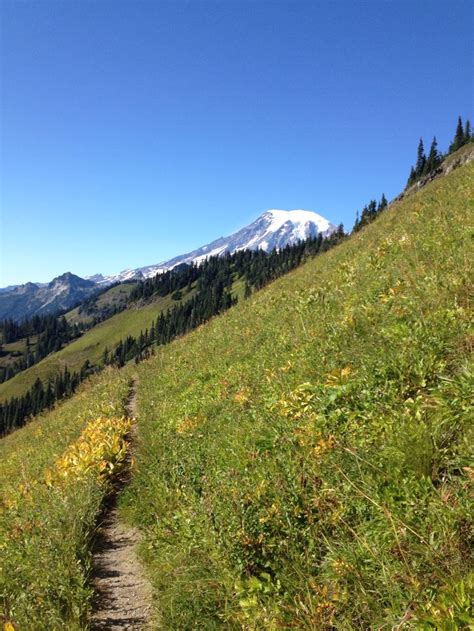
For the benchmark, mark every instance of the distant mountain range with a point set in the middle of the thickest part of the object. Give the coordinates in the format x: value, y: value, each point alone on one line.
x: 273, y: 229
x: 60, y: 294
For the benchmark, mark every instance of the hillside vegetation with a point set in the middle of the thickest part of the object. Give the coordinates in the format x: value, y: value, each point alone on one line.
x: 305, y: 458
x: 54, y: 474
x: 90, y: 346
x: 101, y: 306
x: 183, y: 299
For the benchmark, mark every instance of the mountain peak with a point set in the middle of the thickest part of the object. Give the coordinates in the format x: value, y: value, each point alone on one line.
x: 298, y: 217
x: 273, y: 229
x: 69, y: 280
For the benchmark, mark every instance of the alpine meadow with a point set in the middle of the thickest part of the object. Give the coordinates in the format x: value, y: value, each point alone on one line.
x: 303, y: 460
x: 236, y: 315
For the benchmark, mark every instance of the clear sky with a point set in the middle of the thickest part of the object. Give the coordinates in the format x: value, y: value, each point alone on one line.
x: 135, y: 131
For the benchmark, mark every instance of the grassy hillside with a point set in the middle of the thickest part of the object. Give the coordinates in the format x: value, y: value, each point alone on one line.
x: 116, y: 296
x: 304, y: 459
x: 50, y: 495
x: 99, y: 306
x: 13, y: 351
x: 89, y: 346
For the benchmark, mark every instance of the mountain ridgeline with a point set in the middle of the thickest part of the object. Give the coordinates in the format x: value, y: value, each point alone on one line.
x: 273, y: 229
x: 304, y: 458
x: 62, y: 293
x: 192, y: 288
x: 200, y: 291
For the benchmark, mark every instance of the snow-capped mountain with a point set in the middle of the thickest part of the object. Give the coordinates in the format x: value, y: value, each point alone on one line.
x: 273, y: 229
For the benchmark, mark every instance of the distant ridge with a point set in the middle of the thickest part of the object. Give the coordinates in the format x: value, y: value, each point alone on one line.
x: 273, y: 229
x: 30, y: 299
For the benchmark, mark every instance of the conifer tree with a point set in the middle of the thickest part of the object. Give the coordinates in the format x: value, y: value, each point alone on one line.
x: 434, y: 158
x: 458, y: 137
x: 467, y: 132
x: 420, y: 160
x: 356, y: 223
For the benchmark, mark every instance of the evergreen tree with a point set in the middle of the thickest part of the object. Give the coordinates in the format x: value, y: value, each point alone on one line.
x: 434, y: 159
x: 411, y: 177
x: 356, y: 223
x: 467, y: 132
x: 420, y: 160
x: 458, y: 137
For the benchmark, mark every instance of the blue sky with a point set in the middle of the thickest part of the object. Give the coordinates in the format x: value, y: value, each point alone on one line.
x: 135, y: 131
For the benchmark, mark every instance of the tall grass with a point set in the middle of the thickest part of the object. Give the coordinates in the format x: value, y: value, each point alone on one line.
x: 54, y: 473
x: 304, y: 459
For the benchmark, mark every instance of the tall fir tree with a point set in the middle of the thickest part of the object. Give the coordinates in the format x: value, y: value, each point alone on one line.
x: 420, y: 159
x: 356, y: 223
x: 434, y: 159
x: 458, y: 137
x: 467, y: 132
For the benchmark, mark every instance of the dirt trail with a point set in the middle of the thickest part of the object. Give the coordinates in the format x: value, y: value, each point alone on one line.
x: 123, y: 595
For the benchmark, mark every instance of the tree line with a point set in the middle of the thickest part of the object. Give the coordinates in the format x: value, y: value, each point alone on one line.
x: 370, y: 212
x: 212, y: 283
x: 169, y: 282
x: 51, y: 333
x: 428, y: 164
x: 15, y: 412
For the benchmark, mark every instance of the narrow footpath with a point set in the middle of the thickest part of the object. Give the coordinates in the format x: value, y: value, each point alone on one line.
x: 123, y: 594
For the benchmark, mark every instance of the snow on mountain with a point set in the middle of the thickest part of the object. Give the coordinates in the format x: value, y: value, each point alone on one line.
x: 121, y: 277
x: 273, y: 229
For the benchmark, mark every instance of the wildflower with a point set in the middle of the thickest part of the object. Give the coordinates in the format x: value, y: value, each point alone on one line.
x: 98, y: 450
x: 338, y: 376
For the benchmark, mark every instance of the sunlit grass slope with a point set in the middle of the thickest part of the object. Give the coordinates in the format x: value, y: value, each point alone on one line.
x: 53, y: 476
x: 304, y: 458
x: 89, y: 346
x: 115, y: 296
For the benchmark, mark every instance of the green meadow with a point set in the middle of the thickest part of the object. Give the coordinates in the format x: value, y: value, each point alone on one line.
x: 303, y: 461
x: 46, y: 530
x: 305, y: 458
x: 89, y: 346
